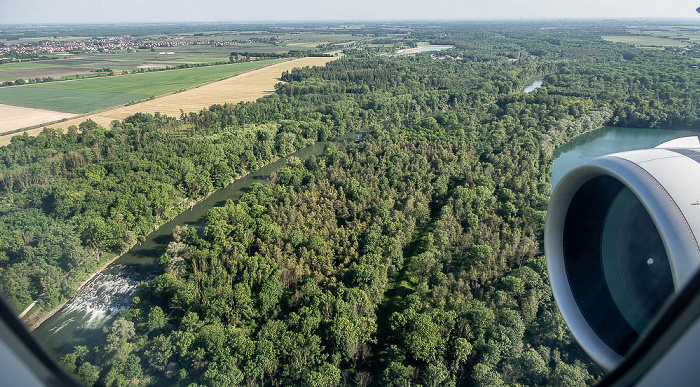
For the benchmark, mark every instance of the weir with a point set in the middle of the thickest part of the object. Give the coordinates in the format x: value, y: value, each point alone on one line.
x: 81, y: 320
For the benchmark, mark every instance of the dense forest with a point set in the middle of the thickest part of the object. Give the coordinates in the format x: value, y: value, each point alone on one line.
x: 411, y: 257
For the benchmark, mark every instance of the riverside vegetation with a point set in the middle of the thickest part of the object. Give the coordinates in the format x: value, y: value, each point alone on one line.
x: 412, y: 257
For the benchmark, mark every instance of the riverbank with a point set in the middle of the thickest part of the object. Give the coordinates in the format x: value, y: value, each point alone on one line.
x: 53, y: 311
x: 100, y: 298
x: 81, y: 319
x: 606, y: 140
x: 186, y: 206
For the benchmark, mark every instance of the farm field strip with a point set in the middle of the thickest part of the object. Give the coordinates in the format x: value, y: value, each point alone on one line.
x: 26, y: 65
x: 203, y: 51
x: 248, y: 86
x: 54, y: 71
x: 67, y: 101
x: 644, y: 40
x: 86, y: 95
x: 15, y: 117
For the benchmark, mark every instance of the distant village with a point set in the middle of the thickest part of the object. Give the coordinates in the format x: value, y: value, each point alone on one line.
x: 109, y: 44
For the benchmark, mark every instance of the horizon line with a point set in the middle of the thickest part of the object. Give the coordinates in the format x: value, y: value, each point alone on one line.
x: 369, y: 21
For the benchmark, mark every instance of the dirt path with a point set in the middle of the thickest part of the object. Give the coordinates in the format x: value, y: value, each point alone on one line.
x: 247, y: 86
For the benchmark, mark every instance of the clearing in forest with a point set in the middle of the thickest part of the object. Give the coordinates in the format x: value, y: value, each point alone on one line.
x: 645, y: 40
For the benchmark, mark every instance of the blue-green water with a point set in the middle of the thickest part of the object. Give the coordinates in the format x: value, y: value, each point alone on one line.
x: 536, y: 84
x: 430, y: 48
x: 608, y: 140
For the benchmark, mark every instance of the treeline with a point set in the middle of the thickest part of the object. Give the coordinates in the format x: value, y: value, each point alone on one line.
x: 12, y: 57
x: 645, y: 89
x: 18, y: 82
x: 273, y: 55
x: 413, y: 257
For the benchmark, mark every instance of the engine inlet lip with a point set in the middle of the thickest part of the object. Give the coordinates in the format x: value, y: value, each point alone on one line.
x: 678, y: 239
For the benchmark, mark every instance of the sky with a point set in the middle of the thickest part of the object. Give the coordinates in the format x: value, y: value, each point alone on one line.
x: 98, y: 11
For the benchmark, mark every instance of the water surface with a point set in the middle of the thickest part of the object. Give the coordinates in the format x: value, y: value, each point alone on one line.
x: 607, y: 140
x: 534, y: 86
x: 432, y: 48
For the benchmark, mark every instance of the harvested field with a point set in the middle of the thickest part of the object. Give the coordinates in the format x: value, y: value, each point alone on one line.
x: 244, y: 87
x: 74, y: 61
x: 307, y: 44
x: 15, y: 117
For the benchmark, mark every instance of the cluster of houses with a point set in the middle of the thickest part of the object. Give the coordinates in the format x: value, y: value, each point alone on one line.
x: 70, y: 45
x: 106, y: 45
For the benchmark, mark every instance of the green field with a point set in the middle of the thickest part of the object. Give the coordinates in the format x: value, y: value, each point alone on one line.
x: 23, y: 65
x: 645, y: 40
x: 199, y: 51
x: 86, y: 95
x: 69, y: 101
x: 686, y: 33
x: 71, y: 64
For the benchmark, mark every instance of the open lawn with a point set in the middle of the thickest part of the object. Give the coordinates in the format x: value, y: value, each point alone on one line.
x: 86, y: 95
x: 245, y: 87
x: 644, y: 40
x: 423, y: 48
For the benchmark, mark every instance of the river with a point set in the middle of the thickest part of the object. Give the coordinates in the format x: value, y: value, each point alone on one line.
x: 607, y: 140
x: 536, y: 84
x: 81, y: 320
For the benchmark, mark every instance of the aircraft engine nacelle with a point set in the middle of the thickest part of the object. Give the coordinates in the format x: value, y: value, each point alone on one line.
x: 621, y: 238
